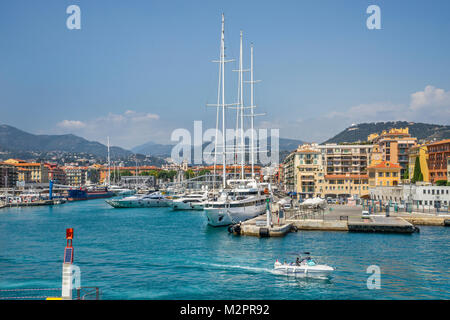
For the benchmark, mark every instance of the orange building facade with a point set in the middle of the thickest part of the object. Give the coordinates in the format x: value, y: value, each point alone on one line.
x: 438, y: 153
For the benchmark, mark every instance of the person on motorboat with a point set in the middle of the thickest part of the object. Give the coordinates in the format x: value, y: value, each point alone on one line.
x: 297, y: 262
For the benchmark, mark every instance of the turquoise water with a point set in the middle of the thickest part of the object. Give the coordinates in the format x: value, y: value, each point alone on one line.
x: 157, y: 253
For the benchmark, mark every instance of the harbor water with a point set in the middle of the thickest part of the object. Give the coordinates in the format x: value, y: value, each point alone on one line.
x: 157, y: 253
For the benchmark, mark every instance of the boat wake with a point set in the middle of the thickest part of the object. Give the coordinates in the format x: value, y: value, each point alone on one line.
x: 238, y: 267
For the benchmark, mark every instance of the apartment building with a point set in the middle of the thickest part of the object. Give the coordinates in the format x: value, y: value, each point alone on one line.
x: 393, y: 147
x: 384, y: 174
x: 345, y: 170
x: 438, y: 153
x: 56, y: 173
x: 38, y: 171
x: 75, y: 176
x: 309, y: 172
x: 8, y: 175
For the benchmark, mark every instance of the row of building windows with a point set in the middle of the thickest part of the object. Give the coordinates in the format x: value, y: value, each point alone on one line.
x: 431, y: 191
x: 387, y: 174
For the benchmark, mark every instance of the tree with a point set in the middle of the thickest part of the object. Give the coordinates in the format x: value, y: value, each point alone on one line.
x: 189, y: 173
x: 171, y: 174
x: 441, y: 182
x: 406, y: 173
x: 417, y: 176
x: 203, y: 172
x: 125, y: 173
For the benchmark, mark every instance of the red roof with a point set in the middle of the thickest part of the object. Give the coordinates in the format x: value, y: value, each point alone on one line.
x: 386, y: 165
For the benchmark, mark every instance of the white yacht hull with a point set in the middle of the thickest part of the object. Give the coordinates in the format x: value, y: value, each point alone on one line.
x: 225, y: 216
x: 198, y: 206
x: 180, y: 205
x: 147, y: 203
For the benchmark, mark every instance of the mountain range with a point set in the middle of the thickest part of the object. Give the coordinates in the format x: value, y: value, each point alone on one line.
x: 18, y: 143
x: 13, y: 140
x: 164, y: 150
x: 422, y: 131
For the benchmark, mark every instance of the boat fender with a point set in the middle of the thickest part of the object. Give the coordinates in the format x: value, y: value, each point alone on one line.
x: 230, y: 229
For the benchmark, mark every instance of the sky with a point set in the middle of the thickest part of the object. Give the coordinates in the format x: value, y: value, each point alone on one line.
x: 137, y: 70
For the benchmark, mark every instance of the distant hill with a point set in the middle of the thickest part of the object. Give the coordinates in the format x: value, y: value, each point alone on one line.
x: 154, y: 149
x: 164, y: 150
x: 18, y: 141
x: 422, y: 131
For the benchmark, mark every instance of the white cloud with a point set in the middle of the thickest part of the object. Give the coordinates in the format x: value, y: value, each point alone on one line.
x: 430, y: 98
x: 432, y: 105
x: 128, y: 129
x: 71, y: 124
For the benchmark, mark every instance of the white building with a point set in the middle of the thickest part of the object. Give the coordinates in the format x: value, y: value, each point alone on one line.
x: 427, y: 197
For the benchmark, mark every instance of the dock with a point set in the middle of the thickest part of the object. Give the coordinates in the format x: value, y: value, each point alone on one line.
x: 257, y: 227
x: 338, y: 219
x: 382, y: 224
x: 33, y: 204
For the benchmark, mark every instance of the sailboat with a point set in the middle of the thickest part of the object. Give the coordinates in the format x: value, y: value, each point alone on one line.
x: 244, y: 198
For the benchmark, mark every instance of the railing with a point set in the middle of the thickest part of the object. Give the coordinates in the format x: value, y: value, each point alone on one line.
x: 28, y: 294
x: 86, y: 293
x: 82, y: 293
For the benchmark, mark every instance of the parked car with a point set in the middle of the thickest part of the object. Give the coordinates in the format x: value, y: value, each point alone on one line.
x: 287, y: 206
x: 365, y: 214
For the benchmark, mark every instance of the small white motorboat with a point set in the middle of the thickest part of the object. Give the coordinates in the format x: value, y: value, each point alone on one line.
x: 303, y: 267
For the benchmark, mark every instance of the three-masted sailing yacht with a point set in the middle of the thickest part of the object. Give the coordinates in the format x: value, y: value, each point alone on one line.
x: 244, y: 198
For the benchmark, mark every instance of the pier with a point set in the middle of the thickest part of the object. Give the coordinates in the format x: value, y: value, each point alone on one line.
x: 382, y: 224
x: 33, y: 204
x: 258, y: 227
x: 335, y: 218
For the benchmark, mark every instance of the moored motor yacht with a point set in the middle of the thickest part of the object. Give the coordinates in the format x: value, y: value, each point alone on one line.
x: 190, y: 202
x: 155, y: 199
x: 240, y: 203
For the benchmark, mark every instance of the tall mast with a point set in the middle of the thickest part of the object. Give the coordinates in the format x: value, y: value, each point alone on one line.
x: 136, y: 170
x: 252, y: 113
x: 222, y: 62
x: 241, y: 84
x: 109, y: 166
x: 221, y: 103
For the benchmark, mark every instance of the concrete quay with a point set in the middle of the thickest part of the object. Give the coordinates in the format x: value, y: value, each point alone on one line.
x: 339, y: 218
x: 382, y: 224
x: 320, y: 225
x: 257, y: 227
x: 33, y: 204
